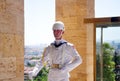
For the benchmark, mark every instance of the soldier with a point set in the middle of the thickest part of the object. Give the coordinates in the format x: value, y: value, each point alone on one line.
x: 60, y: 55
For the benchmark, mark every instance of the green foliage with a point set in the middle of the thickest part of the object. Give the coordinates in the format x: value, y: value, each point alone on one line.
x: 42, y: 75
x: 108, y: 63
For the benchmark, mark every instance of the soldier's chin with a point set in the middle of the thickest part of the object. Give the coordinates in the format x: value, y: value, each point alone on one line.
x: 57, y: 38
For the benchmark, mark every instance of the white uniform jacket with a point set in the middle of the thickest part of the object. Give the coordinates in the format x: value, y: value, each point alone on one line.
x: 65, y: 55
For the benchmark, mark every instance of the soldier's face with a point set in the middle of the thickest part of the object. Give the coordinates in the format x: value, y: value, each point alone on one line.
x: 58, y: 34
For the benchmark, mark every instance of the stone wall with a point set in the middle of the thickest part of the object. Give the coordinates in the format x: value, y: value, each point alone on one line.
x: 11, y: 40
x: 72, y: 13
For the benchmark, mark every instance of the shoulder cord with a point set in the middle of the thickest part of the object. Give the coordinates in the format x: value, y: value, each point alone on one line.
x: 49, y: 62
x: 43, y: 61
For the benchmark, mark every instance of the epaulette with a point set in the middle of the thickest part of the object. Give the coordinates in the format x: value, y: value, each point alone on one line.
x: 70, y: 44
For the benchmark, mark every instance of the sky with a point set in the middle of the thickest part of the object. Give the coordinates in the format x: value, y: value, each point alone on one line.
x: 40, y: 15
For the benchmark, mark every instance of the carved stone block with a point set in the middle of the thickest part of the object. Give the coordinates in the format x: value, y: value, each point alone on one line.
x: 7, y: 68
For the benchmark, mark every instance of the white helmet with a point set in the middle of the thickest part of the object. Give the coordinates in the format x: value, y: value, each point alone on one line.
x: 58, y: 25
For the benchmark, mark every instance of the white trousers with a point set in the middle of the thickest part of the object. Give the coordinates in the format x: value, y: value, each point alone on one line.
x: 58, y: 79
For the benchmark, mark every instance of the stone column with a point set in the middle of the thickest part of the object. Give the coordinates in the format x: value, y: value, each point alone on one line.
x: 11, y: 40
x: 72, y: 13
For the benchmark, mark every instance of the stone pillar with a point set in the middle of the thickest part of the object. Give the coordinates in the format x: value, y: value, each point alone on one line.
x: 11, y: 40
x: 72, y: 13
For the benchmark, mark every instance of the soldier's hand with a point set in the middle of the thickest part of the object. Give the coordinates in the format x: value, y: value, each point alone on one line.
x: 30, y: 75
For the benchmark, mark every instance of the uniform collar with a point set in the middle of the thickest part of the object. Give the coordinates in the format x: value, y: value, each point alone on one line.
x: 58, y: 43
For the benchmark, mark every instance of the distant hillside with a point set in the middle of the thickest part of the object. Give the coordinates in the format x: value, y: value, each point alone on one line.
x: 114, y: 43
x: 34, y: 50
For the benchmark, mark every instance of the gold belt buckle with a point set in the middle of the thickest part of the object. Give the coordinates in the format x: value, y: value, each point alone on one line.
x: 55, y: 66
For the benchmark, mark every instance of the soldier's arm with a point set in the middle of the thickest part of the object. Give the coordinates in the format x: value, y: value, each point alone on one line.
x: 77, y: 60
x: 39, y: 65
x: 35, y: 71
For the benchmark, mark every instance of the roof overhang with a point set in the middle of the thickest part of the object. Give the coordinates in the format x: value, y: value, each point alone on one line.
x: 104, y: 22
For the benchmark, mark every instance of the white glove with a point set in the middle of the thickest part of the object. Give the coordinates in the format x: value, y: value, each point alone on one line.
x: 30, y: 75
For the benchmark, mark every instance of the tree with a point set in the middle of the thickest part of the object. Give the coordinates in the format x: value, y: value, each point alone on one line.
x: 117, y: 63
x: 108, y: 63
